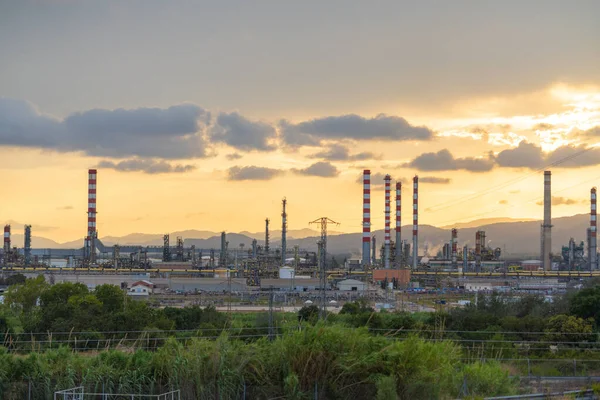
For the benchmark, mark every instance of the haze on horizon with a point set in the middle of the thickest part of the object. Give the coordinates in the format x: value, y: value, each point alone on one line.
x: 204, y: 115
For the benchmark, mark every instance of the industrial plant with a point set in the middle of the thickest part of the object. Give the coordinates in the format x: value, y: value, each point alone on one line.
x: 258, y: 265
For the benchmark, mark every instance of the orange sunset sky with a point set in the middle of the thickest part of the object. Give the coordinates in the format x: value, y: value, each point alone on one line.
x: 204, y: 115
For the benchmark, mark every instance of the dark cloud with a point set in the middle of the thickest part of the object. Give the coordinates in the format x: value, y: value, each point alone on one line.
x: 378, y: 180
x: 503, y: 202
x: 321, y: 169
x: 241, y: 133
x: 171, y: 133
x: 443, y: 160
x: 234, y: 156
x: 525, y: 155
x: 560, y: 201
x: 595, y: 131
x: 542, y: 127
x: 252, y: 173
x: 529, y: 155
x: 434, y: 179
x: 64, y: 208
x: 382, y: 127
x: 338, y: 152
x: 146, y: 166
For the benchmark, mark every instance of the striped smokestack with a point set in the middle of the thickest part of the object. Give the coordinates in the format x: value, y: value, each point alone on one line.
x: 6, y: 239
x: 454, y: 248
x: 387, y: 180
x: 592, y: 251
x: 91, y: 225
x: 398, y: 224
x: 366, y: 238
x: 415, y: 221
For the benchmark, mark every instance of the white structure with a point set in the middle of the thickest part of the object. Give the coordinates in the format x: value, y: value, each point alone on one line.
x: 351, y: 285
x: 286, y: 273
x: 477, y: 286
x: 141, y: 288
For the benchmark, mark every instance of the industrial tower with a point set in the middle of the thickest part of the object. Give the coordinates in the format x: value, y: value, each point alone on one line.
x: 415, y: 222
x: 90, y: 245
x: 398, y: 224
x: 592, y: 249
x: 366, y: 236
x: 386, y: 255
x: 283, y: 232
x: 27, y: 247
x: 547, y: 225
x: 323, y: 221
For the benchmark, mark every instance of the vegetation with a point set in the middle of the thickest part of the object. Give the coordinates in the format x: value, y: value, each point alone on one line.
x: 63, y: 335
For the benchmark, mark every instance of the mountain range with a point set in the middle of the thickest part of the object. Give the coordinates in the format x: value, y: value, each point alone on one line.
x: 515, y: 237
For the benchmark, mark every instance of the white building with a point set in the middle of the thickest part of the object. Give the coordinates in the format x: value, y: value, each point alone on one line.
x: 351, y: 285
x: 141, y: 288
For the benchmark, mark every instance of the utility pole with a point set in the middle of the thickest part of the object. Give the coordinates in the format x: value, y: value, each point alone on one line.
x: 323, y: 221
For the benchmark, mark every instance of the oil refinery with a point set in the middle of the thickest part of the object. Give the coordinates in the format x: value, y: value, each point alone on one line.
x: 255, y: 262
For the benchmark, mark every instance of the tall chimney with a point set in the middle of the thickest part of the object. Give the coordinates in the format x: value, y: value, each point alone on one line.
x: 386, y: 256
x: 415, y: 249
x: 478, y: 251
x: 27, y: 245
x: 454, y: 246
x: 398, y: 224
x: 374, y: 247
x: 547, y: 225
x: 592, y: 251
x: 283, y: 233
x: 6, y: 239
x: 465, y: 258
x: 267, y: 236
x: 91, y: 228
x: 366, y: 237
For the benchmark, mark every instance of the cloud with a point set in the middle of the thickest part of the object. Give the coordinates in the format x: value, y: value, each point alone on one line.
x: 378, y: 180
x: 592, y: 132
x: 542, y: 127
x: 64, y: 208
x: 321, y: 169
x: 252, y: 173
x: 351, y: 126
x: 338, y: 152
x: 19, y: 227
x: 434, y: 179
x: 560, y: 201
x: 234, y: 156
x: 529, y: 155
x: 503, y: 202
x: 170, y: 133
x: 443, y: 160
x: 241, y: 133
x: 145, y: 166
x: 514, y: 191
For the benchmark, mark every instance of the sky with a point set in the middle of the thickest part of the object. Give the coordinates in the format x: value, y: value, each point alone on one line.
x: 205, y: 114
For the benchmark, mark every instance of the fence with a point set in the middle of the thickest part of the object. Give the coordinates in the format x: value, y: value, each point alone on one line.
x: 78, y: 393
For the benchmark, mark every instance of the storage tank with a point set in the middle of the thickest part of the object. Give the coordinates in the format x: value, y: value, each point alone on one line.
x: 286, y: 273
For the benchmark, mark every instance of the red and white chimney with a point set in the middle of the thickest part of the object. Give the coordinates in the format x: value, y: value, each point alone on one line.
x: 91, y: 224
x: 592, y: 250
x: 366, y: 238
x: 387, y: 180
x: 6, y: 239
x: 398, y: 224
x: 415, y: 221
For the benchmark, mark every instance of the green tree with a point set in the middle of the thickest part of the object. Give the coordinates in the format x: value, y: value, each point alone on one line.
x: 111, y: 297
x: 308, y: 313
x: 586, y: 304
x: 25, y: 297
x: 569, y: 328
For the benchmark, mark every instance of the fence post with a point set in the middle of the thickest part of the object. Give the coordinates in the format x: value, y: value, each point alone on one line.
x: 29, y: 389
x: 574, y: 367
x: 528, y: 368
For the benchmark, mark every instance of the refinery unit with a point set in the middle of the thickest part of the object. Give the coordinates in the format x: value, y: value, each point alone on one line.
x: 255, y: 261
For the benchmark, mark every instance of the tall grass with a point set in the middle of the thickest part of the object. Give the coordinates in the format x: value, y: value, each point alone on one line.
x: 334, y: 362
